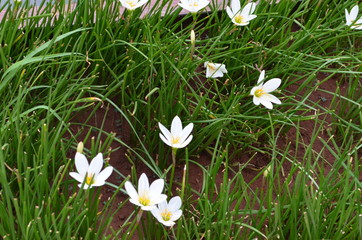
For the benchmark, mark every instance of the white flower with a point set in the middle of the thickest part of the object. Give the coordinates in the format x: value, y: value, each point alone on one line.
x: 147, y: 196
x: 193, y: 5
x: 214, y: 70
x: 90, y: 175
x: 168, y: 213
x: 238, y: 16
x: 132, y: 4
x: 262, y: 94
x: 178, y: 137
x: 351, y: 18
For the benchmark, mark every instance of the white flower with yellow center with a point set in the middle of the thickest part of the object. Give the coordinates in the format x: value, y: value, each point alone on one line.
x: 168, y: 213
x: 132, y: 4
x: 147, y: 196
x: 90, y: 175
x: 351, y: 18
x: 178, y: 137
x: 238, y: 16
x: 214, y: 70
x: 261, y: 93
x: 193, y: 6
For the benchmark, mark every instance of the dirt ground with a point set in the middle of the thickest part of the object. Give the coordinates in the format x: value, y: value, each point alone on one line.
x: 113, y: 123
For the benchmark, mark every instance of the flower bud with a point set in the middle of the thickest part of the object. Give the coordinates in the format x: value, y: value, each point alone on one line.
x: 80, y: 147
x: 267, y: 171
x: 193, y: 37
x: 193, y: 41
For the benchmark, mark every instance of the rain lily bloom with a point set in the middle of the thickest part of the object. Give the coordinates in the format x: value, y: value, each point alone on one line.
x: 147, y: 196
x: 238, y: 16
x: 214, y: 70
x: 262, y: 94
x: 178, y: 137
x: 90, y: 175
x: 193, y: 6
x: 168, y: 213
x: 132, y: 4
x: 351, y: 18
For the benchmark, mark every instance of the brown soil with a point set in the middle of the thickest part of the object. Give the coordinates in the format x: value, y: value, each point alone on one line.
x: 252, y: 163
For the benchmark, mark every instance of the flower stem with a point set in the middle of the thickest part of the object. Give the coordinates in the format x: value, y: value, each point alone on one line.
x: 184, y: 176
x: 174, y: 150
x: 138, y: 219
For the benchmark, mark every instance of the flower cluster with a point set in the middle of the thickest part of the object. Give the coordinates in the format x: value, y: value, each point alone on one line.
x: 148, y: 196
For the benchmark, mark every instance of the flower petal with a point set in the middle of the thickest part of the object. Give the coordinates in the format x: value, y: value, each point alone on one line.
x: 168, y: 223
x: 256, y: 100
x: 223, y: 68
x: 252, y: 92
x: 217, y: 73
x: 186, y: 132
x: 176, y: 215
x: 358, y: 24
x: 176, y: 126
x: 156, y: 213
x: 162, y: 206
x: 348, y: 19
x: 98, y: 183
x: 261, y: 76
x: 272, y: 98
x: 77, y: 176
x: 235, y: 6
x: 202, y: 4
x: 174, y: 204
x: 230, y: 12
x: 272, y: 84
x: 165, y: 131
x: 248, y: 9
x: 143, y: 184
x: 156, y: 187
x: 186, y: 142
x: 266, y: 103
x: 148, y: 208
x: 354, y: 12
x: 102, y: 176
x: 209, y: 72
x: 135, y: 202
x: 142, y: 2
x: 85, y: 186
x: 131, y: 191
x: 96, y: 164
x: 81, y: 163
x: 249, y: 18
x: 156, y: 199
x: 165, y: 140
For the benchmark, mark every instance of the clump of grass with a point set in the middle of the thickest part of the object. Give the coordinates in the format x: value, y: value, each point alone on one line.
x: 59, y: 59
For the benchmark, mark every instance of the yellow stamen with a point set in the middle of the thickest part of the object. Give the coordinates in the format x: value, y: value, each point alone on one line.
x: 89, y: 179
x: 175, y: 140
x: 166, y: 215
x: 194, y: 4
x: 144, y: 200
x: 259, y: 93
x: 239, y: 19
x: 131, y: 3
x: 212, y: 66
